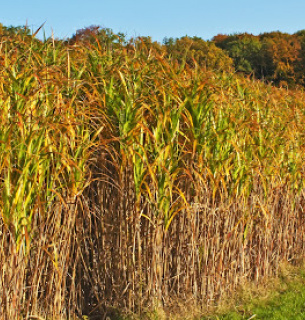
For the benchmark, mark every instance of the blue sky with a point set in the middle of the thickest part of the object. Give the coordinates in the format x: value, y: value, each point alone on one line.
x: 158, y: 18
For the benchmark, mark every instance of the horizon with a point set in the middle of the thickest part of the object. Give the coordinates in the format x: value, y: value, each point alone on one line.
x: 42, y: 32
x: 158, y: 20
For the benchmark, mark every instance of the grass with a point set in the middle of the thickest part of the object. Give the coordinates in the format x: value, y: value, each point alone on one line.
x: 280, y: 299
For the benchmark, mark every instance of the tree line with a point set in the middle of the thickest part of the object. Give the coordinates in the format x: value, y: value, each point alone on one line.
x: 274, y: 57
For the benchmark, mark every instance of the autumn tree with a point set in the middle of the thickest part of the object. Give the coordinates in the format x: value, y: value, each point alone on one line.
x: 96, y: 35
x: 300, y: 65
x: 283, y: 49
x: 273, y: 56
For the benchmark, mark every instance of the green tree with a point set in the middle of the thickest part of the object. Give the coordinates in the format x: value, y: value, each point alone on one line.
x: 195, y: 51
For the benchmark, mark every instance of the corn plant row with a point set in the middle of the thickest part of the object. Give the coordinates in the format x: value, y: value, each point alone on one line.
x: 129, y: 181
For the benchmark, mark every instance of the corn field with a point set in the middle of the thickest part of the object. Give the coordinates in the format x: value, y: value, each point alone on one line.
x: 129, y: 181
